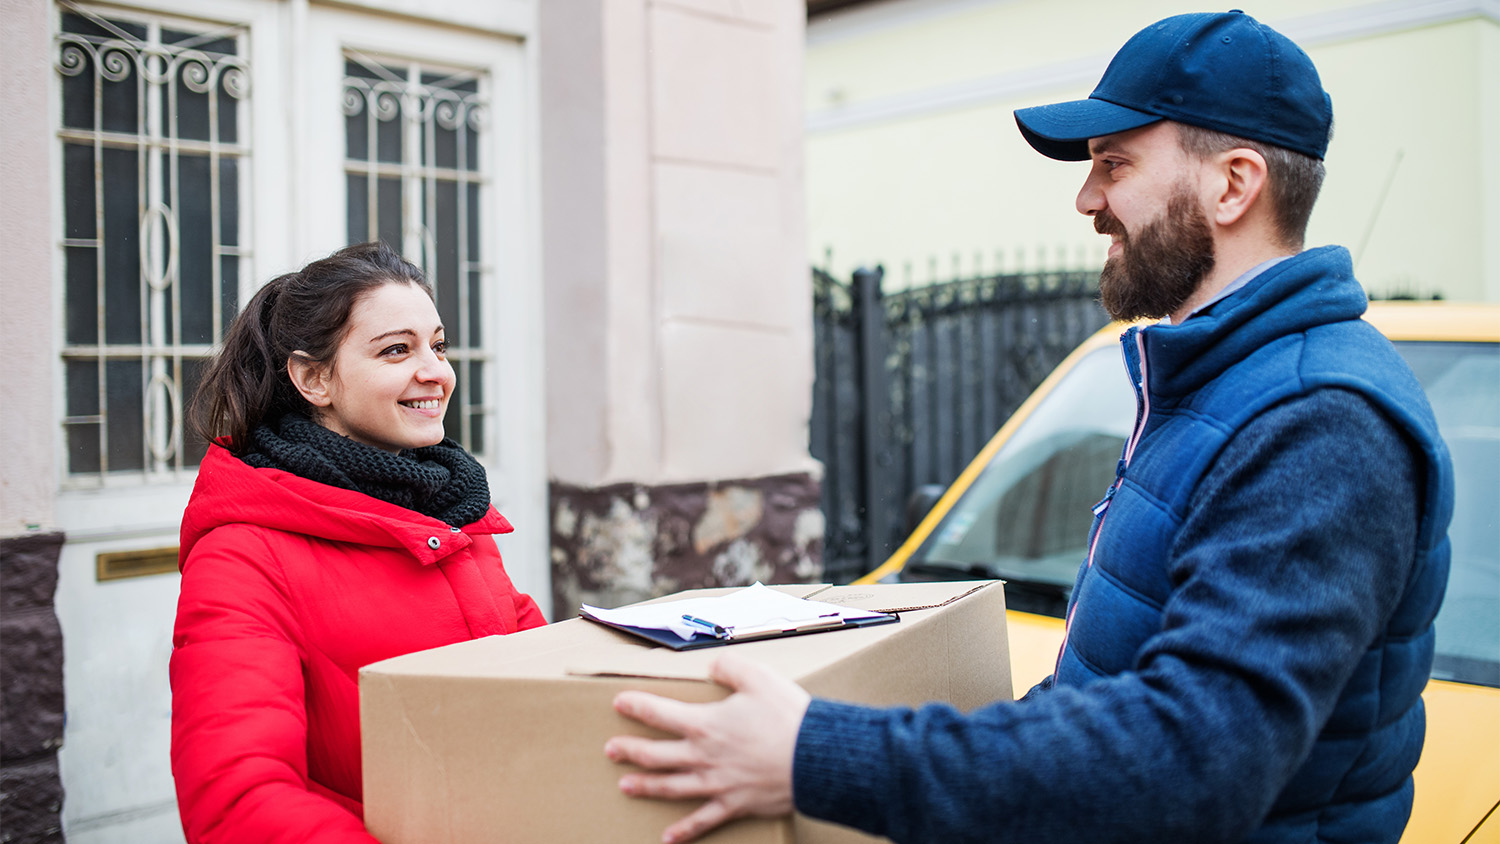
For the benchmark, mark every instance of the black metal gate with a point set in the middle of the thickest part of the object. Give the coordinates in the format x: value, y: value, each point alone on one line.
x: 912, y: 384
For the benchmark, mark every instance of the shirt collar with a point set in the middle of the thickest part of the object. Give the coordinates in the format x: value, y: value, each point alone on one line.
x: 1244, y: 279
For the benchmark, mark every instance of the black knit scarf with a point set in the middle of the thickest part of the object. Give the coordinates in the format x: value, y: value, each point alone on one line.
x: 442, y: 481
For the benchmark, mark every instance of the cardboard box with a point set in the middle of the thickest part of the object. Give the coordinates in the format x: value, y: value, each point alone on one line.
x: 502, y: 739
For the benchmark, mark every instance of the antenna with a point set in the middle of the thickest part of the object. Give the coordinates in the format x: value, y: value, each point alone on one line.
x: 1379, y: 206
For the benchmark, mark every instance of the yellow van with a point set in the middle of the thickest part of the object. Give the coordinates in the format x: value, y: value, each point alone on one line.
x: 1020, y: 512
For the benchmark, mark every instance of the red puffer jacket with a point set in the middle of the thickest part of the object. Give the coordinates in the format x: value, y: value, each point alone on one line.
x: 288, y: 587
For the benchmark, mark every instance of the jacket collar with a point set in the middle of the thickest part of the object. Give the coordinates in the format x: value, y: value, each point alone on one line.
x: 230, y: 492
x: 1313, y: 288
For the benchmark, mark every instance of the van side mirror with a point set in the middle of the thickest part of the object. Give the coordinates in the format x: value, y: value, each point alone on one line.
x: 918, y: 505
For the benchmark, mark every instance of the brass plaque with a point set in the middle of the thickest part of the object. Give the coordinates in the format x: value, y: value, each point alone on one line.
x: 116, y: 565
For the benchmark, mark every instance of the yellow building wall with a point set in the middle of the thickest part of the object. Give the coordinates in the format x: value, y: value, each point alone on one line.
x: 914, y: 160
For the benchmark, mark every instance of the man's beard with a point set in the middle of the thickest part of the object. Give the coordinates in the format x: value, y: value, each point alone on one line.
x: 1160, y: 266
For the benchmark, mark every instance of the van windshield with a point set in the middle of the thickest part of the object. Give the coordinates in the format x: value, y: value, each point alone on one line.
x: 1026, y: 517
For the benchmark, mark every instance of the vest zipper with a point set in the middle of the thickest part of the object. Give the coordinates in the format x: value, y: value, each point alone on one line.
x: 1135, y: 367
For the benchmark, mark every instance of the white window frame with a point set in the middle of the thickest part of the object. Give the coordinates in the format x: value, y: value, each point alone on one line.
x: 419, y: 110
x: 157, y: 152
x: 135, y: 505
x: 511, y: 310
x: 293, y: 210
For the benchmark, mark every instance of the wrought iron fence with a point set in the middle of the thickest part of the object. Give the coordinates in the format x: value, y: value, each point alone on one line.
x: 910, y: 385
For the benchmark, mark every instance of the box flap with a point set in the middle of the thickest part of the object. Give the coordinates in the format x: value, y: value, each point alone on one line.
x: 794, y: 656
x: 579, y: 648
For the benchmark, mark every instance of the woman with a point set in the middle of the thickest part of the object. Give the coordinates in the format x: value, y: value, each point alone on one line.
x: 332, y: 525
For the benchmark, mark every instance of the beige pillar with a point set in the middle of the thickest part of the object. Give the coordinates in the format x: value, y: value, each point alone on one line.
x: 31, y: 645
x: 28, y: 420
x: 679, y: 334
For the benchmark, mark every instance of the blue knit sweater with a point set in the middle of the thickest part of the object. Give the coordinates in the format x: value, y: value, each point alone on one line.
x: 1251, y: 633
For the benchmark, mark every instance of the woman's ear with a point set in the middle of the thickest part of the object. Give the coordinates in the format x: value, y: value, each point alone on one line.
x: 310, y: 378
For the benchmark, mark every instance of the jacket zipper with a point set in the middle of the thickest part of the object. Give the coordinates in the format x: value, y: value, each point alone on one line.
x: 1101, y: 510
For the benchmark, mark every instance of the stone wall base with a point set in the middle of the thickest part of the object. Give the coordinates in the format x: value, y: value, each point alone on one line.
x: 31, y: 698
x: 627, y: 542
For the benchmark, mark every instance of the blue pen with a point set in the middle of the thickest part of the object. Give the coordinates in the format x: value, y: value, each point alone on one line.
x: 708, y: 626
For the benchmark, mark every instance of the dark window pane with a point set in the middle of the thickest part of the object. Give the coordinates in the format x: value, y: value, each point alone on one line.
x: 389, y: 225
x: 83, y: 447
x: 83, y: 386
x: 389, y: 128
x: 445, y: 262
x: 228, y: 106
x: 81, y: 296
x: 457, y: 404
x: 476, y: 432
x: 356, y: 125
x: 195, y: 252
x: 476, y: 383
x: 221, y: 46
x: 229, y: 201
x: 78, y: 89
x: 123, y: 392
x: 78, y: 191
x: 193, y: 446
x: 472, y: 220
x: 120, y: 104
x: 192, y: 106
x: 359, y: 207
x: 471, y: 149
x: 122, y: 254
x: 445, y: 140
x: 475, y: 337
x: 229, y: 289
x: 157, y: 257
x: 84, y: 26
x: 475, y: 378
x: 121, y: 99
x: 355, y: 68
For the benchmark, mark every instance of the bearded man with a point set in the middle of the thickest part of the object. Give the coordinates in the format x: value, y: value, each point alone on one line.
x: 1251, y: 630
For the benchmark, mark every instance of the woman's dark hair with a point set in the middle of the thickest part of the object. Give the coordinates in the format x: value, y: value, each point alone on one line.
x: 307, y: 312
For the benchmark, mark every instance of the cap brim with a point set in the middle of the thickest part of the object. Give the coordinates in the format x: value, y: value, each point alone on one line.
x: 1062, y: 130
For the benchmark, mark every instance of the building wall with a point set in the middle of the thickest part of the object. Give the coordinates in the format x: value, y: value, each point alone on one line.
x: 678, y: 340
x: 31, y: 641
x: 87, y: 703
x: 28, y: 485
x: 913, y: 153
x: 659, y: 153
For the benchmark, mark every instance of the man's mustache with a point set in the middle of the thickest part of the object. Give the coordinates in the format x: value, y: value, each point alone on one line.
x: 1107, y: 223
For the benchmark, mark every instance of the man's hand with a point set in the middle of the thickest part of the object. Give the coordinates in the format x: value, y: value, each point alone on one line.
x: 736, y: 752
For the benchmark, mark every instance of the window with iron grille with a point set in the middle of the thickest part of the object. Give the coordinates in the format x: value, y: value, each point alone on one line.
x: 155, y: 153
x: 414, y: 177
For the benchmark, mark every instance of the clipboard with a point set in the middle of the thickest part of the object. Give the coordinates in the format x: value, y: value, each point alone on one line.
x: 753, y: 614
x: 734, y: 635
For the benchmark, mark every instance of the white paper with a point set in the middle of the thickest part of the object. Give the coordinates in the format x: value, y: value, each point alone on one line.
x: 751, y: 608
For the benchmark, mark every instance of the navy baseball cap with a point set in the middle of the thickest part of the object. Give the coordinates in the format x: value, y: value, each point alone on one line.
x: 1222, y: 71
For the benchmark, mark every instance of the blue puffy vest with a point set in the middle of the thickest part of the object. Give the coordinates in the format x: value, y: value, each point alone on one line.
x: 1293, y: 330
